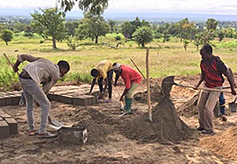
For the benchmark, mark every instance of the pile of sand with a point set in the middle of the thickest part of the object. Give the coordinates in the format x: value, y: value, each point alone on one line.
x: 94, y: 121
x: 166, y: 125
x: 189, y: 108
x: 223, y: 144
x: 142, y: 96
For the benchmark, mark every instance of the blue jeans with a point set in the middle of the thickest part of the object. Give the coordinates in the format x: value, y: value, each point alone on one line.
x: 222, y: 103
x: 32, y: 91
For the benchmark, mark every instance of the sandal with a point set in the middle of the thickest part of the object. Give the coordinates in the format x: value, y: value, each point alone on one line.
x: 33, y: 133
x: 47, y: 135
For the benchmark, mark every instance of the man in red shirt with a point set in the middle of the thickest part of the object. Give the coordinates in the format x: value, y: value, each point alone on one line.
x: 212, y: 69
x: 131, y: 79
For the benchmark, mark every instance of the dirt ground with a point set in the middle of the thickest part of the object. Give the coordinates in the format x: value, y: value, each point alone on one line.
x: 109, y: 144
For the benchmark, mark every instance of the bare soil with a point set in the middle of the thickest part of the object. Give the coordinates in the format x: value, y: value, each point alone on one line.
x: 114, y: 139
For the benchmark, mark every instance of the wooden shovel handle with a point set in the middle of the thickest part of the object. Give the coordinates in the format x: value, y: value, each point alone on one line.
x: 9, y: 61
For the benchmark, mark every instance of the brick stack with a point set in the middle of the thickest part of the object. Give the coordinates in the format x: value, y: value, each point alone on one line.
x: 8, y: 125
x: 10, y: 98
x: 76, y: 95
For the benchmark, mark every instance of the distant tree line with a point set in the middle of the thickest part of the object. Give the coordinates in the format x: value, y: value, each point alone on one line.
x: 52, y: 25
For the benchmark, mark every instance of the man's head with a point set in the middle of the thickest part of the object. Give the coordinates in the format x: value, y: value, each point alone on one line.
x: 206, y: 52
x: 117, y: 68
x: 64, y: 67
x: 95, y: 72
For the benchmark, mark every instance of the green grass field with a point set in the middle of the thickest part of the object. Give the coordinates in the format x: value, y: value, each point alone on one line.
x: 165, y: 58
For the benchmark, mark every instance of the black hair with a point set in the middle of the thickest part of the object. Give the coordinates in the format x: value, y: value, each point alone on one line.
x: 94, y: 72
x: 114, y: 64
x: 64, y: 64
x: 207, y: 48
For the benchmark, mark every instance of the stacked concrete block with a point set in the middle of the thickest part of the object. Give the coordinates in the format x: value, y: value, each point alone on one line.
x: 2, y: 101
x: 13, y: 125
x: 8, y: 125
x: 67, y: 99
x: 4, y: 115
x: 4, y: 129
x: 77, y: 95
x: 9, y: 98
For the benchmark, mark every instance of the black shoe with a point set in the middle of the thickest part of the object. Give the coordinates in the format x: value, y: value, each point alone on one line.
x: 200, y: 128
x: 207, y: 132
x: 223, y: 118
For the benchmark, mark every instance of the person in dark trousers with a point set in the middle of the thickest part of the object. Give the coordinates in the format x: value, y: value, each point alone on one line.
x: 38, y: 71
x: 222, y: 98
x: 212, y: 69
x: 132, y: 79
x: 103, y: 72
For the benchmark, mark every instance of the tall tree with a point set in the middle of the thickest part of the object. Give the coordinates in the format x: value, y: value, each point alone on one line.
x: 143, y: 35
x: 111, y: 25
x: 92, y: 27
x: 95, y: 7
x: 211, y: 24
x: 127, y: 29
x: 7, y: 35
x: 49, y: 23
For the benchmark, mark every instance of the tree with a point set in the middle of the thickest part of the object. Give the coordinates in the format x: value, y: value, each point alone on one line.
x: 49, y: 23
x: 72, y: 43
x: 197, y: 40
x: 7, y: 35
x: 186, y: 42
x: 221, y: 35
x: 211, y: 24
x: 95, y: 7
x: 71, y: 27
x: 143, y: 35
x: 127, y: 29
x: 111, y: 25
x: 92, y: 27
x: 166, y: 36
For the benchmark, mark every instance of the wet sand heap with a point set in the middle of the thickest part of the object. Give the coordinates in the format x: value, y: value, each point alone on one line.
x: 166, y: 125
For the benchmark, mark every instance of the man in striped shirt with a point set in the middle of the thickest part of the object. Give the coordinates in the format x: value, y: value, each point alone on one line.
x: 212, y: 69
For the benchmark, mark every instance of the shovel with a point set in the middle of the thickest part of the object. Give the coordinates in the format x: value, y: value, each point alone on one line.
x: 169, y: 80
x: 54, y: 124
x: 232, y: 105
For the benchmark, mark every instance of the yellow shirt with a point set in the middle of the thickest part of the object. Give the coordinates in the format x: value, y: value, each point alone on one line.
x: 103, y: 67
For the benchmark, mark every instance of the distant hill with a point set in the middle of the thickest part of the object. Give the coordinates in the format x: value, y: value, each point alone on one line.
x: 151, y: 17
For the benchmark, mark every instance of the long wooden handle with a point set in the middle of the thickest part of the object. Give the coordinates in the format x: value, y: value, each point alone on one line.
x: 138, y: 68
x: 9, y: 61
x: 148, y: 85
x: 204, y: 88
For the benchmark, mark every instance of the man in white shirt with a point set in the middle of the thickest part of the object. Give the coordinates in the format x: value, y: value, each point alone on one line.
x: 38, y: 71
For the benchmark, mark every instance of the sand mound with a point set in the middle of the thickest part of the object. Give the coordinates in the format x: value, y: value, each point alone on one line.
x: 223, y: 144
x: 94, y: 121
x: 166, y: 125
x: 189, y: 108
x: 142, y: 96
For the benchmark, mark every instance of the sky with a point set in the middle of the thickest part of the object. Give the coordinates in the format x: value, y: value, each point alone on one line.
x: 227, y: 7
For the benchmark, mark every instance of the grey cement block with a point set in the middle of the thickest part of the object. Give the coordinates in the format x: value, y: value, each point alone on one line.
x: 4, y: 130
x: 83, y: 100
x: 53, y: 97
x: 67, y: 99
x: 2, y: 101
x: 8, y: 100
x: 1, y: 119
x: 16, y: 100
x: 4, y: 116
x: 73, y: 135
x: 13, y: 125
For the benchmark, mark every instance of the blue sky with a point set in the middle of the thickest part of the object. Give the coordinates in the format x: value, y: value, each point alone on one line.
x: 227, y: 7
